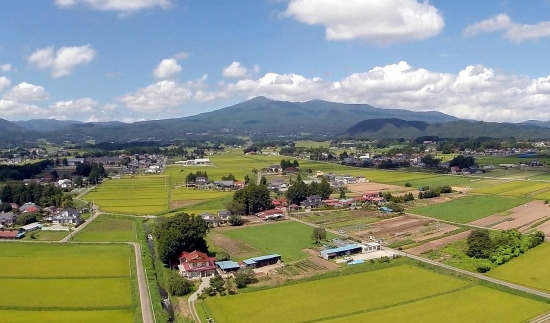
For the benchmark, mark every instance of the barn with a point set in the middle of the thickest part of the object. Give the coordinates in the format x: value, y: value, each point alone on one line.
x: 349, y: 249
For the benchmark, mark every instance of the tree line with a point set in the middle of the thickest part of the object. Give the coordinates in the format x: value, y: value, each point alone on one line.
x: 42, y: 195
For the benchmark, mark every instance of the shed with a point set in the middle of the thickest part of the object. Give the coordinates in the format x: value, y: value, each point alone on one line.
x: 227, y: 266
x: 262, y: 261
x: 341, y: 251
x: 31, y: 227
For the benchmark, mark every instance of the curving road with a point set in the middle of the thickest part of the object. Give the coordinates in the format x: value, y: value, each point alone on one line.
x: 144, y: 297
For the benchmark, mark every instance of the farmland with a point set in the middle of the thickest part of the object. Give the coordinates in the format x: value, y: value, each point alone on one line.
x: 515, y: 188
x: 93, y: 279
x: 394, y: 292
x: 527, y: 270
x: 469, y: 208
x: 109, y: 228
x: 286, y: 238
x: 132, y: 195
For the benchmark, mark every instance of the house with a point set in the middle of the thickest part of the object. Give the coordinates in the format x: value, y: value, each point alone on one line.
x: 15, y: 206
x: 272, y: 214
x: 29, y: 208
x: 75, y: 161
x: 313, y: 201
x: 211, y: 220
x: 65, y: 183
x: 275, y: 168
x: 224, y: 215
x: 7, y: 219
x: 262, y: 261
x: 68, y: 216
x: 196, y: 264
x: 279, y: 203
x: 227, y: 266
x: 225, y: 184
x: 341, y: 251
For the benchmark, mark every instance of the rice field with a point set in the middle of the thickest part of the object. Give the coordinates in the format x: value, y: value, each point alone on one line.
x: 45, y: 282
x: 469, y: 208
x: 397, y: 294
x: 514, y: 188
x: 132, y: 195
x: 109, y: 228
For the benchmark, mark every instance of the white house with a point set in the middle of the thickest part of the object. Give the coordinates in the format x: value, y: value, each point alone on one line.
x: 68, y: 216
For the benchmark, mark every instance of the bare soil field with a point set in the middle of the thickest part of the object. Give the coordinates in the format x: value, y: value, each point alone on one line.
x: 236, y: 248
x: 436, y: 244
x: 404, y: 227
x: 374, y: 187
x: 521, y: 217
x: 545, y: 227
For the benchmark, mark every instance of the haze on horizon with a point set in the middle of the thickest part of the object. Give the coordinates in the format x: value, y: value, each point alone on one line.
x: 102, y: 60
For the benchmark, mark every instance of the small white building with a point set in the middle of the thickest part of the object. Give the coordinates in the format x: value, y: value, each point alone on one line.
x: 370, y: 247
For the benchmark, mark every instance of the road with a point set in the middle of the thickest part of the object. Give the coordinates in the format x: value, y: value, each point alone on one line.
x: 80, y: 227
x: 144, y: 297
x: 205, y: 282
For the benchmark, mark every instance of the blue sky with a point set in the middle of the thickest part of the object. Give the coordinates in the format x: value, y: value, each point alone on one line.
x: 128, y: 60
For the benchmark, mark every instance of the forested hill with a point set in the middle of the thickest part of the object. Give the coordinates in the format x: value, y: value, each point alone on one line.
x: 396, y: 128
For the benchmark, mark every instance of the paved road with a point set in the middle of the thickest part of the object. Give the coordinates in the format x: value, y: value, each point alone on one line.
x: 144, y: 297
x: 205, y: 282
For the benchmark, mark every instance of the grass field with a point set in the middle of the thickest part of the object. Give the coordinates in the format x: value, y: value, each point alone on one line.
x: 340, y: 220
x: 40, y: 235
x: 514, y: 188
x: 135, y: 195
x: 386, y: 295
x: 109, y: 228
x: 527, y: 270
x: 95, y: 280
x: 285, y: 238
x: 469, y: 208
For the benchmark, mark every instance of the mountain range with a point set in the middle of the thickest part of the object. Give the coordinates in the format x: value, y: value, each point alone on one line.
x: 265, y: 117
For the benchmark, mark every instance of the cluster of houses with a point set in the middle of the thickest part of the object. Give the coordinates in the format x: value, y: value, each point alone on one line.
x: 66, y: 217
x: 195, y: 162
x: 198, y: 264
x: 203, y: 183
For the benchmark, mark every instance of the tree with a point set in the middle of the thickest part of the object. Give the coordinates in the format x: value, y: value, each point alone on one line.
x: 222, y: 255
x: 78, y: 181
x: 229, y: 177
x: 479, y: 244
x: 430, y: 161
x: 263, y: 181
x: 5, y: 207
x: 319, y: 234
x: 246, y: 179
x: 217, y: 283
x: 178, y: 233
x: 25, y: 219
x: 54, y: 174
x: 324, y: 189
x: 235, y: 207
x: 244, y: 277
x: 178, y: 285
x: 254, y: 198
x: 236, y: 220
x: 297, y: 192
x: 342, y: 193
x: 65, y: 162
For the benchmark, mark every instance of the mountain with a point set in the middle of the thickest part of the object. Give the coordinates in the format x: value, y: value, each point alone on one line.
x: 6, y: 125
x: 46, y: 124
x: 544, y: 124
x: 396, y: 128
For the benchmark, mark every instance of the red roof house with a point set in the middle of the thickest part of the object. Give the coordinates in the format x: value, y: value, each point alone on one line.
x: 196, y: 264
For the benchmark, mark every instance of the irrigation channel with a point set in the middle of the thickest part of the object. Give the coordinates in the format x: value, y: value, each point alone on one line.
x: 166, y: 304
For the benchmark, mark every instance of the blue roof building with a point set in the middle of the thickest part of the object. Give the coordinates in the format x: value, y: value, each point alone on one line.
x: 341, y: 251
x: 227, y: 266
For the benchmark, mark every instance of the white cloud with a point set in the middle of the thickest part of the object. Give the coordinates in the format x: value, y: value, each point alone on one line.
x: 157, y: 97
x: 74, y: 107
x: 235, y: 69
x: 116, y: 5
x: 5, y: 67
x: 182, y: 55
x: 26, y: 92
x: 475, y: 92
x: 374, y: 21
x: 4, y: 82
x: 496, y: 23
x: 513, y: 31
x: 12, y: 108
x: 167, y: 69
x: 63, y: 61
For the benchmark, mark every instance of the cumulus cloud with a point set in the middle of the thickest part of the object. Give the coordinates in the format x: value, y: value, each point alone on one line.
x: 116, y: 5
x: 5, y: 67
x: 374, y: 21
x: 4, y: 82
x: 157, y: 97
x: 167, y: 69
x: 73, y: 107
x: 182, y: 55
x: 12, y: 108
x: 26, y: 92
x: 475, y: 92
x: 511, y: 30
x: 236, y: 70
x: 63, y: 61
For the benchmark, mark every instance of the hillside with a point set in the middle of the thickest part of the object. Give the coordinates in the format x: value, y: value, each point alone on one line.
x: 45, y: 124
x: 6, y: 125
x: 396, y: 128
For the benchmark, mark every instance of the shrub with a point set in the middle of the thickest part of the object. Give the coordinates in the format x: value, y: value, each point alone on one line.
x: 178, y: 285
x: 244, y: 277
x: 483, y: 269
x: 408, y: 184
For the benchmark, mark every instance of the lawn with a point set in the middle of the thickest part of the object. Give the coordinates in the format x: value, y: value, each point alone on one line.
x: 285, y: 238
x: 93, y: 281
x: 527, y: 269
x: 382, y: 294
x: 132, y: 195
x: 469, y: 208
x: 40, y: 235
x: 109, y: 228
